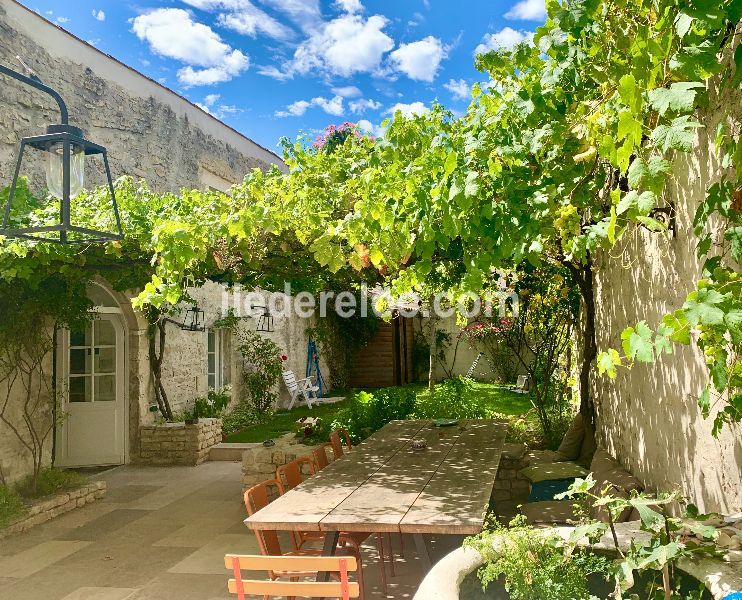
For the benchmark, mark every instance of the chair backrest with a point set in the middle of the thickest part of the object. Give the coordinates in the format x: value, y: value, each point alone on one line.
x: 302, y: 566
x: 337, y: 445
x: 522, y: 382
x: 290, y: 380
x: 290, y: 475
x: 320, y: 456
x: 345, y: 434
x: 258, y: 497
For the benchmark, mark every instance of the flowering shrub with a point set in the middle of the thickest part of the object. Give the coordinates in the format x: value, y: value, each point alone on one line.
x: 335, y: 135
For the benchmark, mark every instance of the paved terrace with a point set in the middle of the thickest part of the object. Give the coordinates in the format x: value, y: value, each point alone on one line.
x: 160, y: 533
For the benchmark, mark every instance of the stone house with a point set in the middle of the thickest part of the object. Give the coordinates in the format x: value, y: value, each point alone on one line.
x: 151, y: 133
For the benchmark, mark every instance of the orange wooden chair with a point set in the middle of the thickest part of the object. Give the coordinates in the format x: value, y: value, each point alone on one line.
x: 290, y: 475
x: 259, y: 496
x: 320, y: 456
x: 295, y: 567
x: 337, y: 442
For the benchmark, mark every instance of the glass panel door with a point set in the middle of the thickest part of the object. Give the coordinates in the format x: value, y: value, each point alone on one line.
x: 92, y: 376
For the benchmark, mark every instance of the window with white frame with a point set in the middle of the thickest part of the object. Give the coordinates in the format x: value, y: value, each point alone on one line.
x: 217, y: 358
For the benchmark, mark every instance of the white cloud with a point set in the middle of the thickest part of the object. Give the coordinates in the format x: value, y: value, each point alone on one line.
x: 63, y: 20
x: 99, y: 15
x: 528, y: 10
x: 334, y: 106
x: 507, y: 37
x: 348, y: 91
x: 306, y: 14
x: 367, y: 126
x: 244, y: 17
x: 459, y: 89
x: 209, y: 105
x: 170, y: 32
x: 362, y: 105
x: 349, y: 6
x: 344, y: 46
x: 409, y: 110
x: 419, y: 60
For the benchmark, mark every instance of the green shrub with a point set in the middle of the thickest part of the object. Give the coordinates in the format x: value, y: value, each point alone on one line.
x: 535, y: 564
x: 210, y: 407
x: 243, y: 415
x: 369, y: 412
x: 454, y: 398
x: 11, y: 506
x: 48, y: 482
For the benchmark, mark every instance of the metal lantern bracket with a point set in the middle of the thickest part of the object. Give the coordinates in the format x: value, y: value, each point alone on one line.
x: 196, y: 323
x: 69, y: 137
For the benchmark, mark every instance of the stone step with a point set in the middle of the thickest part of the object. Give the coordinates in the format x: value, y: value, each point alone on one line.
x: 230, y: 452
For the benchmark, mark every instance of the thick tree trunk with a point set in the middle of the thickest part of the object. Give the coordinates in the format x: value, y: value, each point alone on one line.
x: 583, y: 275
x: 157, y: 325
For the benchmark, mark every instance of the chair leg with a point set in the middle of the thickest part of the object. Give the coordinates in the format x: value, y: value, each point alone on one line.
x: 360, y: 578
x: 382, y: 560
x: 391, y: 554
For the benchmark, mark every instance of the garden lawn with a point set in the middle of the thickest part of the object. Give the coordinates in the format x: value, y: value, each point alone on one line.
x: 283, y: 422
x: 499, y: 399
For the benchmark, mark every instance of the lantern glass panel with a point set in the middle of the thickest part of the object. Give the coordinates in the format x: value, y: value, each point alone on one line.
x: 55, y: 170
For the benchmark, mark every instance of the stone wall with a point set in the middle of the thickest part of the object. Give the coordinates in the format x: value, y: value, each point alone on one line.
x: 648, y: 417
x: 511, y: 488
x: 150, y: 132
x: 49, y: 508
x: 260, y: 463
x: 178, y: 443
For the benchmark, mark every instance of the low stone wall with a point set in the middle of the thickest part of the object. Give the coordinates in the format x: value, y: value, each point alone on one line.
x: 511, y: 488
x: 178, y: 443
x: 260, y: 463
x: 47, y: 509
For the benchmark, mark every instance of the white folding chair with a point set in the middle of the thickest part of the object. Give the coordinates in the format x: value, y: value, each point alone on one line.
x: 521, y: 386
x: 300, y: 387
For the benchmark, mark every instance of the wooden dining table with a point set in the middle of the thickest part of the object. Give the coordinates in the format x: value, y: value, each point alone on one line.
x: 386, y: 485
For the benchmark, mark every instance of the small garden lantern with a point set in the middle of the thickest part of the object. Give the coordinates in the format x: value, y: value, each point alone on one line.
x: 195, y: 319
x: 265, y: 321
x: 66, y: 149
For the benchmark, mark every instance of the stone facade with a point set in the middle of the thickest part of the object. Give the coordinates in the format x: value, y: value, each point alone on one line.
x: 178, y: 443
x: 648, y: 418
x: 260, y: 463
x: 49, y: 508
x: 150, y: 132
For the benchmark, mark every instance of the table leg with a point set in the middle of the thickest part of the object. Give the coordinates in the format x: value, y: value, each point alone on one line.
x: 329, y: 549
x: 422, y: 551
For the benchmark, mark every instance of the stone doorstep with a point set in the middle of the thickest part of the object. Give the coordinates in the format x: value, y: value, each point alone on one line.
x: 46, y: 509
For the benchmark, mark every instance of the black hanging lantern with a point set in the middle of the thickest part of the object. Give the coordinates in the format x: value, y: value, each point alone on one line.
x: 66, y: 149
x: 194, y: 319
x: 265, y: 321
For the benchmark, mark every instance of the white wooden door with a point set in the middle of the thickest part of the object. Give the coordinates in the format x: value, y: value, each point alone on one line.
x: 92, y: 425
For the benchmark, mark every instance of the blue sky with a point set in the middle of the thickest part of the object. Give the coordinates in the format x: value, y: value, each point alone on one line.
x: 272, y: 68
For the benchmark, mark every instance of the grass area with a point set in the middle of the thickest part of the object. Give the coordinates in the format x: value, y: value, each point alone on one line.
x: 50, y: 481
x: 496, y: 398
x: 11, y: 506
x: 283, y: 422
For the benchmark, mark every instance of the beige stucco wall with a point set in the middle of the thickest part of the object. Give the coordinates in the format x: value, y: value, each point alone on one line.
x: 149, y: 131
x: 649, y: 417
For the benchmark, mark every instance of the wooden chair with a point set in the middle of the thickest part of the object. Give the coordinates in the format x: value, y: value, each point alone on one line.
x: 294, y: 567
x: 300, y: 387
x: 320, y: 456
x: 337, y: 442
x: 290, y: 475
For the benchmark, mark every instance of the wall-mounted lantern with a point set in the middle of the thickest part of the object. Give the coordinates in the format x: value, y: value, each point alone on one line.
x: 195, y: 319
x: 265, y: 321
x: 66, y: 149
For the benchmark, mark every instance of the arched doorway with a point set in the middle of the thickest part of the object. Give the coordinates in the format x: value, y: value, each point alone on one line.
x: 92, y: 372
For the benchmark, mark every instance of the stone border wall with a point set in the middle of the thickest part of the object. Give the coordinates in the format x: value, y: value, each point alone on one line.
x: 260, y: 463
x: 47, y: 509
x: 511, y: 488
x: 178, y: 443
